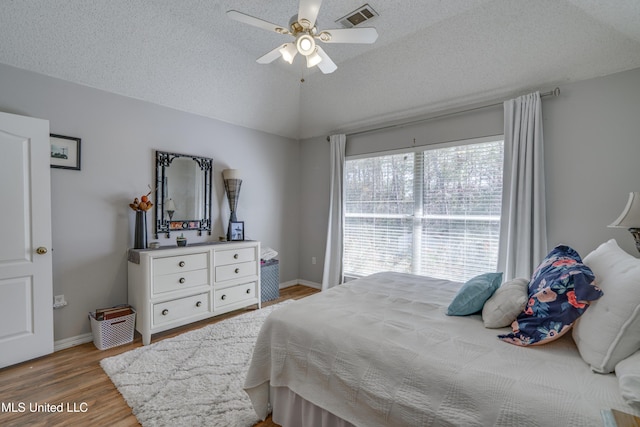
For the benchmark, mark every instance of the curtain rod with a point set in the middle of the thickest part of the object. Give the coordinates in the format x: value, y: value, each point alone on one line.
x: 554, y: 92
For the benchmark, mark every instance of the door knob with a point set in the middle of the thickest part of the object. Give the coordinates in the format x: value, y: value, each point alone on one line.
x: 41, y: 250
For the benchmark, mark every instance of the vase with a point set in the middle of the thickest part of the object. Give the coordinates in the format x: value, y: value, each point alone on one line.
x: 140, y: 236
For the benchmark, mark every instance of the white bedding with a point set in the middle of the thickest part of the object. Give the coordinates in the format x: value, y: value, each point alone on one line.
x: 380, y: 351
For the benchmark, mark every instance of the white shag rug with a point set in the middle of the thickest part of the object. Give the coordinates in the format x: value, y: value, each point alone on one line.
x: 194, y: 379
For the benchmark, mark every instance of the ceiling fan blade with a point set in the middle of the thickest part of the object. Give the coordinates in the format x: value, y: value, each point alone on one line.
x: 256, y: 22
x: 327, y: 66
x: 308, y: 10
x: 350, y: 35
x: 270, y: 56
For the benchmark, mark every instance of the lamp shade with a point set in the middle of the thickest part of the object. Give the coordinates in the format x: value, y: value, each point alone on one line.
x: 170, y: 205
x: 231, y: 174
x: 630, y: 216
x: 288, y: 52
x: 313, y: 59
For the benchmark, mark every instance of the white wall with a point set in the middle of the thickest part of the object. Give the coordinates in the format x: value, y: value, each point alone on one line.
x: 592, y: 149
x: 92, y: 222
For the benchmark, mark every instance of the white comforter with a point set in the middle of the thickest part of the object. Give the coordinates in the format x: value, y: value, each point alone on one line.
x: 380, y: 351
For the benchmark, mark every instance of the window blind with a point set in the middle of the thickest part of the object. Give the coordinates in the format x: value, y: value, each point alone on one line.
x: 434, y: 212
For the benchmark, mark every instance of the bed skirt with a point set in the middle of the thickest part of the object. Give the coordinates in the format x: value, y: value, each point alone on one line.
x: 291, y: 410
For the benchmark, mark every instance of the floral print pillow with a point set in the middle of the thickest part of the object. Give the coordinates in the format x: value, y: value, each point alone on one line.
x: 559, y: 293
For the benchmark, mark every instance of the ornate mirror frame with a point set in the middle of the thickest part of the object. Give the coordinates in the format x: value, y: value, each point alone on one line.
x: 166, y: 225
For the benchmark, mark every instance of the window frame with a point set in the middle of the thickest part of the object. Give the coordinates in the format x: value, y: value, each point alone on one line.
x: 416, y: 150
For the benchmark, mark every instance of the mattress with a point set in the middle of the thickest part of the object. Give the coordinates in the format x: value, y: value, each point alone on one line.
x: 380, y: 351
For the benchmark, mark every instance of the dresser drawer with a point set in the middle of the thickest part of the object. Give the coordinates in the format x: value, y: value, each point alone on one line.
x: 233, y: 256
x: 170, y: 311
x: 179, y: 263
x: 234, y: 294
x: 182, y: 280
x: 235, y: 271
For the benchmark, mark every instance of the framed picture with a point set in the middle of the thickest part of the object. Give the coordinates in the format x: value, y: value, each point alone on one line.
x: 237, y: 230
x: 65, y: 152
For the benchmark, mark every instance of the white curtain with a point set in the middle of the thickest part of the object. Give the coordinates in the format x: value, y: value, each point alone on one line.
x: 523, y: 229
x: 332, y: 274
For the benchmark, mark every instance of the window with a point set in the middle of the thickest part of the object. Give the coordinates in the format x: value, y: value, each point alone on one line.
x: 434, y: 212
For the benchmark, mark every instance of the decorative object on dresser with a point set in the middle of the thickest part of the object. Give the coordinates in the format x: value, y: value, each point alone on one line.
x: 174, y: 286
x: 183, y: 193
x: 170, y: 208
x: 630, y: 217
x: 232, y: 184
x: 236, y: 230
x: 181, y: 240
x: 269, y: 280
x: 141, y: 206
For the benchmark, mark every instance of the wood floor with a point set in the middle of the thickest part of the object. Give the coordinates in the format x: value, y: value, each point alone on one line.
x: 73, y: 377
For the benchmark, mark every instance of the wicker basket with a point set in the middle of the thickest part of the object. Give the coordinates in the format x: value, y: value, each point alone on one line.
x: 112, y: 332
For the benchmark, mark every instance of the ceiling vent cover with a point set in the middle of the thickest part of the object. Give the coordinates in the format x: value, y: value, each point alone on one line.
x: 362, y: 14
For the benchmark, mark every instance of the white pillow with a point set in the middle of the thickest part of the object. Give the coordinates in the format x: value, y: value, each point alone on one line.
x: 628, y: 373
x: 609, y: 330
x: 506, y: 303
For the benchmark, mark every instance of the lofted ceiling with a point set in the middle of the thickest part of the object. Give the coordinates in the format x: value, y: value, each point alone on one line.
x: 430, y: 55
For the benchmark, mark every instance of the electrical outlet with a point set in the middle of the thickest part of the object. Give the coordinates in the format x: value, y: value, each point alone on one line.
x: 313, y: 260
x: 59, y: 301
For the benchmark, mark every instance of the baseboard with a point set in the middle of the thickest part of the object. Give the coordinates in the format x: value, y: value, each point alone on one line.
x: 72, y: 341
x: 300, y: 282
x: 88, y: 337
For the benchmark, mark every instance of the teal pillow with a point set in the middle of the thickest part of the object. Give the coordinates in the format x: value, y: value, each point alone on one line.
x: 473, y: 294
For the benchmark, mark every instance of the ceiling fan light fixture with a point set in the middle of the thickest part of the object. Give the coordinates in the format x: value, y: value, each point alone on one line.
x: 288, y: 52
x: 305, y: 44
x: 313, y: 59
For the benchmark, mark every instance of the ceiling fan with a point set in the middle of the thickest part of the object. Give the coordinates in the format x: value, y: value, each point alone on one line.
x: 303, y: 28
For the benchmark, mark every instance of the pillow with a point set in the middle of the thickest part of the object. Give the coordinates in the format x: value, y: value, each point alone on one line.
x: 610, y: 331
x: 506, y: 303
x: 473, y: 294
x: 628, y: 373
x: 559, y: 292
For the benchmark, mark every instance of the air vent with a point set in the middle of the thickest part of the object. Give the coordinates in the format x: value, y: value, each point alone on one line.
x: 358, y: 16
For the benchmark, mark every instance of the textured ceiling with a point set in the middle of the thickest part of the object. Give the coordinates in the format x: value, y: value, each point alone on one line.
x: 430, y: 55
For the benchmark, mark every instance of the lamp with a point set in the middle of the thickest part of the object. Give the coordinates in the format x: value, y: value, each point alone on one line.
x: 170, y: 207
x: 630, y: 217
x: 313, y: 59
x: 305, y: 44
x: 288, y: 52
x: 232, y: 184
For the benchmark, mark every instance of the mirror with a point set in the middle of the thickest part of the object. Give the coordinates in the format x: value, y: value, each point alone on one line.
x: 183, y: 193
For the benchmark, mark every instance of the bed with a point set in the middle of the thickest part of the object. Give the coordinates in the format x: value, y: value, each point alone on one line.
x: 380, y: 351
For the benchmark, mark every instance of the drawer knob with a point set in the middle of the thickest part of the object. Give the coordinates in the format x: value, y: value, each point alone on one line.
x: 235, y: 256
x: 237, y: 270
x: 249, y: 290
x: 223, y: 297
x: 182, y: 280
x: 165, y: 312
x: 181, y: 263
x: 199, y: 303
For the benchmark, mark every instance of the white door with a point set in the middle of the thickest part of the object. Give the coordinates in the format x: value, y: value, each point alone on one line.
x: 26, y: 290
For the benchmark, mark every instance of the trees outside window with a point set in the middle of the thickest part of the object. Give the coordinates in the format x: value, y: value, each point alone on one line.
x: 434, y: 212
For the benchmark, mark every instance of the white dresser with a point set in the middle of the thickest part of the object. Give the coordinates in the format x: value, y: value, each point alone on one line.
x: 174, y: 286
